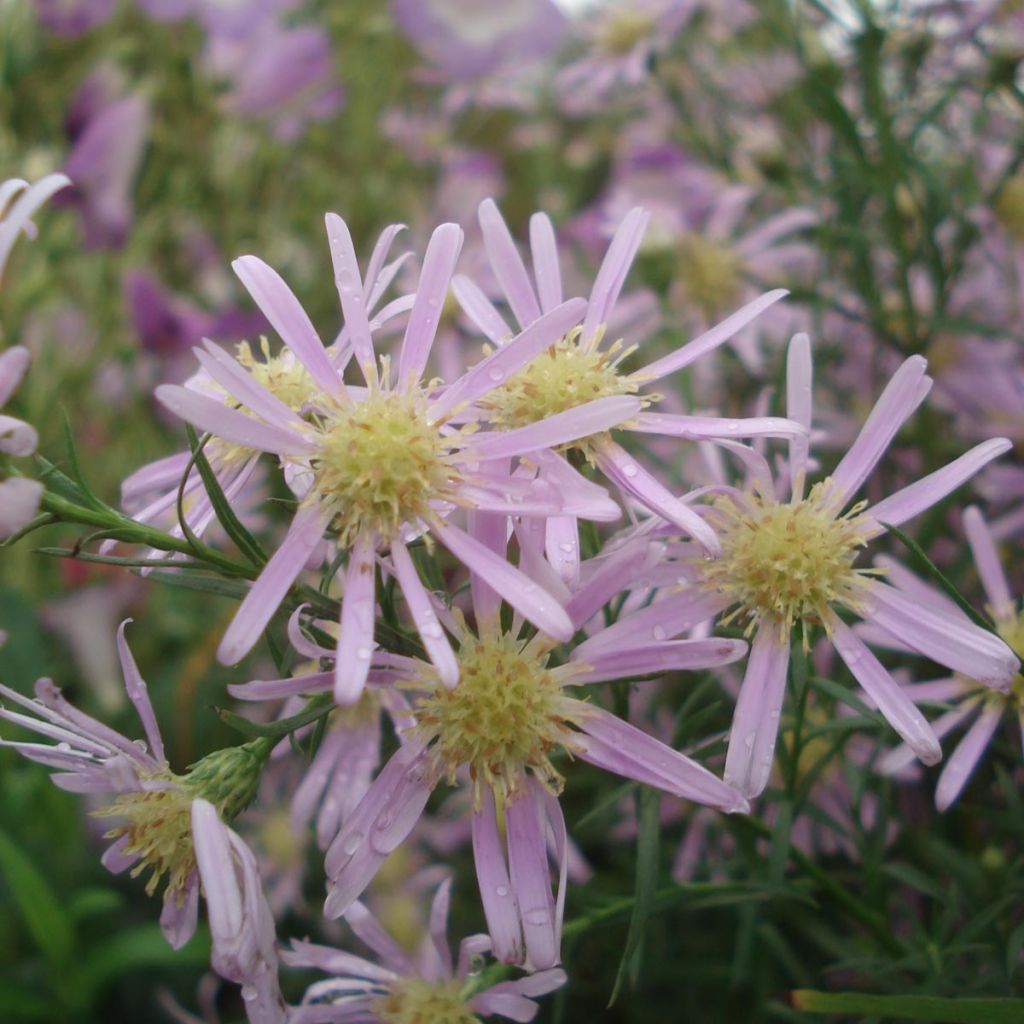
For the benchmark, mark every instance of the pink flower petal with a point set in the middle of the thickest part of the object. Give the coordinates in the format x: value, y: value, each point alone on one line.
x: 358, y: 610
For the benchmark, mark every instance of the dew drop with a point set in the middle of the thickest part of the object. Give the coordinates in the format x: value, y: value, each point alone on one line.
x: 63, y: 747
x: 659, y: 633
x: 732, y: 426
x: 629, y: 470
x: 502, y: 891
x: 385, y: 821
x: 537, y: 916
x: 364, y: 653
x: 567, y: 546
x: 352, y: 842
x: 496, y: 375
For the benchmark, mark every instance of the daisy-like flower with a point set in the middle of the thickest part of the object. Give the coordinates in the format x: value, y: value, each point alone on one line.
x: 243, y: 948
x: 150, y: 494
x: 970, y: 698
x: 623, y: 37
x: 376, y: 466
x: 19, y: 201
x: 152, y: 803
x: 501, y: 728
x: 584, y: 367
x: 789, y: 565
x: 401, y: 989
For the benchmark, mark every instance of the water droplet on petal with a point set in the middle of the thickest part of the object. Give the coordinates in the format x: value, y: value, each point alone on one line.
x: 64, y: 747
x: 537, y: 916
x: 567, y: 546
x: 502, y: 891
x: 659, y: 633
x: 352, y: 842
x: 629, y: 470
x: 364, y: 653
x: 496, y: 375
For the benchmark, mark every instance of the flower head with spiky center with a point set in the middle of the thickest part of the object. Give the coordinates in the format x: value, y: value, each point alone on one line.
x: 505, y: 719
x: 417, y: 1001
x: 788, y: 563
x: 710, y: 275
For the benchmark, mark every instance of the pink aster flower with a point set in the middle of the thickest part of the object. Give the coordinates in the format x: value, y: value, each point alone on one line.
x: 150, y: 493
x: 19, y: 202
x: 789, y: 564
x: 585, y: 367
x: 430, y: 986
x: 153, y: 803
x: 970, y: 698
x: 623, y: 37
x: 499, y: 729
x: 243, y: 947
x: 377, y: 466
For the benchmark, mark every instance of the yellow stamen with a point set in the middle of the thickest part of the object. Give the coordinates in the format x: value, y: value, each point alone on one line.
x: 415, y: 1001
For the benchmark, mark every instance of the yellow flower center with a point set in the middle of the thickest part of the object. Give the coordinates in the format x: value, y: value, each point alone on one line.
x: 381, y: 464
x: 415, y: 1001
x: 1011, y: 632
x: 158, y: 824
x: 622, y: 30
x: 563, y: 377
x: 784, y: 564
x: 710, y: 276
x: 507, y: 714
x: 282, y: 375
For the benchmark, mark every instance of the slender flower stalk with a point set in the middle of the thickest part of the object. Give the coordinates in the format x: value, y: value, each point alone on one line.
x: 789, y: 565
x: 379, y: 465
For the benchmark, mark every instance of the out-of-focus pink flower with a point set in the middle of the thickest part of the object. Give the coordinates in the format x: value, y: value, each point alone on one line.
x: 473, y: 40
x: 70, y: 19
x: 108, y: 135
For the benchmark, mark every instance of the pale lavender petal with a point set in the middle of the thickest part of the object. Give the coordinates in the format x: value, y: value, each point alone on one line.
x: 438, y: 929
x: 758, y: 471
x: 576, y: 488
x: 358, y: 609
x: 115, y: 860
x: 496, y: 368
x: 710, y: 339
x: 785, y: 223
x: 378, y: 277
x: 350, y: 292
x: 180, y: 913
x: 439, y: 650
x: 619, y: 747
x: 369, y: 930
x: 986, y: 560
x: 275, y: 689
x: 895, y: 705
x: 239, y: 382
x: 14, y: 362
x: 509, y: 996
x: 507, y: 264
x: 951, y: 641
x: 138, y: 694
x: 19, y: 503
x: 531, y: 877
x: 590, y: 418
x: 697, y: 428
x: 480, y: 309
x: 916, y: 497
x: 614, y: 574
x: 546, y: 271
x: 334, y: 961
x: 620, y: 467
x: 431, y: 292
x: 217, y: 870
x: 799, y: 404
x: 755, y: 722
x: 562, y: 544
x: 526, y: 597
x: 965, y: 758
x: 216, y: 418
x: 268, y: 591
x: 662, y: 620
x: 22, y: 209
x: 500, y: 908
x: 289, y: 319
x: 902, y: 395
x: 613, y: 270
x: 670, y: 656
x: 17, y: 437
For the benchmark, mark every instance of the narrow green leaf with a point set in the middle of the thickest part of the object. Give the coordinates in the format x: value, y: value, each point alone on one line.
x: 317, y: 707
x: 89, y: 498
x: 37, y: 903
x: 648, y: 803
x: 206, y: 584
x: 233, y: 526
x: 927, y: 1008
